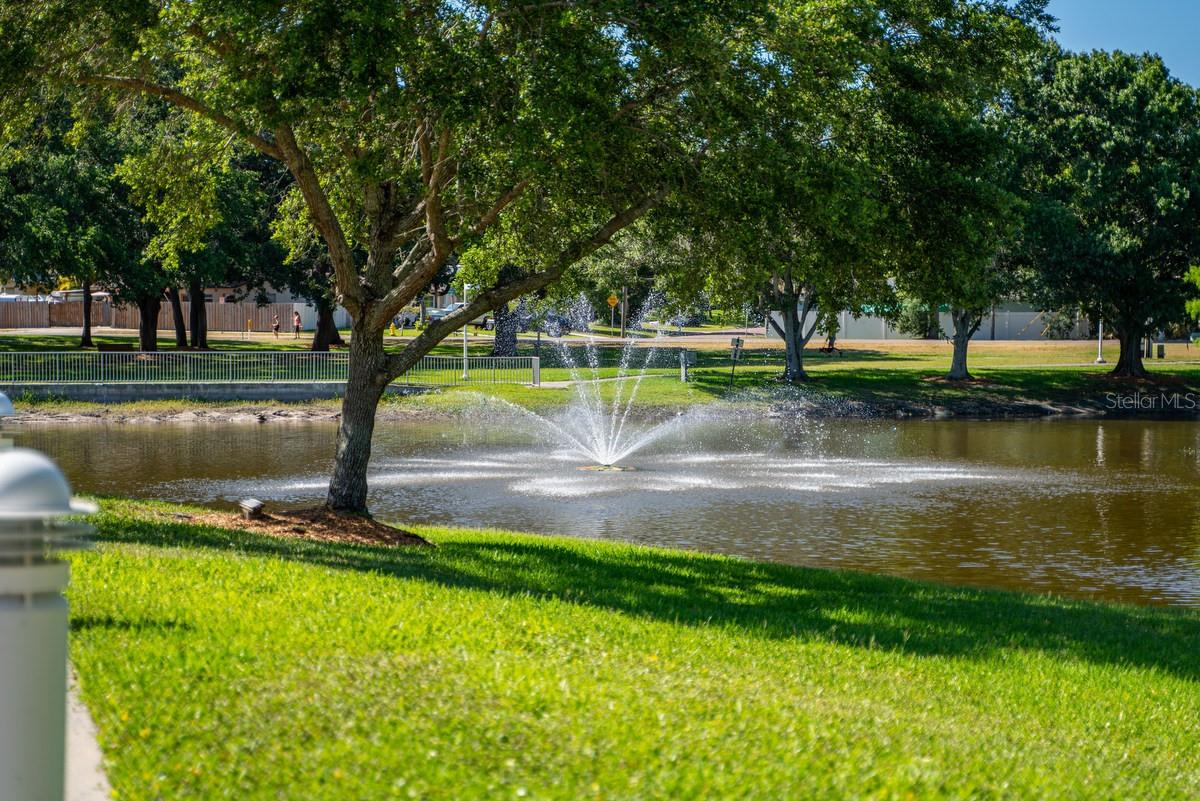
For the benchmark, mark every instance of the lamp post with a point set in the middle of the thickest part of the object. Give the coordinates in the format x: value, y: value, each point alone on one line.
x: 33, y: 623
x: 1100, y: 342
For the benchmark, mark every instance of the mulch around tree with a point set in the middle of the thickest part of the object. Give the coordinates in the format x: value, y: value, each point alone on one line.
x: 317, y: 524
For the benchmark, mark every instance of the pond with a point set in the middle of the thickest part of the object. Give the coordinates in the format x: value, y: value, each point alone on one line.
x: 1083, y: 508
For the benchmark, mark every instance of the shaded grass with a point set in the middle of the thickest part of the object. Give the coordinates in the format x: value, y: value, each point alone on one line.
x: 226, y: 665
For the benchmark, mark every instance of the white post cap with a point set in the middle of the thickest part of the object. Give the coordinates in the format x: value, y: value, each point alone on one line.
x: 33, y: 488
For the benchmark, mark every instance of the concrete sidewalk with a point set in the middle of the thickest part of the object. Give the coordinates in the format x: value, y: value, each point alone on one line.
x: 85, y: 764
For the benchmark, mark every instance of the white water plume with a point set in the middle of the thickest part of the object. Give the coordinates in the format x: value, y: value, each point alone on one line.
x: 597, y: 429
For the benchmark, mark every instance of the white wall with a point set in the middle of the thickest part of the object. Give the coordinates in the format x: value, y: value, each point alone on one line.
x: 1010, y: 325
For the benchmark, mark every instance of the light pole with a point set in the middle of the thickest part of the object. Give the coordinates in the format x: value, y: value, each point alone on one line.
x: 466, y: 287
x: 624, y: 310
x: 33, y: 623
x: 1100, y: 342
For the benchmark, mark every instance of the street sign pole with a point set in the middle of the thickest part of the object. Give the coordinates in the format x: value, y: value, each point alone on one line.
x: 736, y: 344
x: 624, y: 308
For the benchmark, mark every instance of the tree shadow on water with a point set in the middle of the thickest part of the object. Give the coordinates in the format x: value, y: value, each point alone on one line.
x: 760, y: 599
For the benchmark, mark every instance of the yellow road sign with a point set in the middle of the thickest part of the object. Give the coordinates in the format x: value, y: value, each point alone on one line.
x: 613, y: 301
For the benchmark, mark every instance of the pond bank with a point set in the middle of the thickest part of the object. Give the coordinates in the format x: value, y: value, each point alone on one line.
x: 799, y: 402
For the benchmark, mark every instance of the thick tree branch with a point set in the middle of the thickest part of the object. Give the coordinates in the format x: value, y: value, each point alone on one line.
x: 324, y: 219
x: 655, y: 93
x: 490, y: 299
x: 492, y: 214
x: 179, y: 99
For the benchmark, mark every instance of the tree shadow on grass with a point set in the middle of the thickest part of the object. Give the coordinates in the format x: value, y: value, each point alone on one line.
x: 762, y: 600
x: 89, y: 622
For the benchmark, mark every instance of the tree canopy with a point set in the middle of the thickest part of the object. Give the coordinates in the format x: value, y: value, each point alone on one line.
x: 1113, y: 144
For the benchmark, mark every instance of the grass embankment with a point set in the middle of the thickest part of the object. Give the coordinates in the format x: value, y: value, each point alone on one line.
x: 220, y: 664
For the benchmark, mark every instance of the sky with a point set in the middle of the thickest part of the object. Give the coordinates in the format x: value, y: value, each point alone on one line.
x: 1167, y: 27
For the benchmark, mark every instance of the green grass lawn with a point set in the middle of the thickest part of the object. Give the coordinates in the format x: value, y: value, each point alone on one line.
x: 497, y: 665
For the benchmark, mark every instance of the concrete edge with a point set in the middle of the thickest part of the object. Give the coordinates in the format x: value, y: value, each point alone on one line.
x: 86, y: 779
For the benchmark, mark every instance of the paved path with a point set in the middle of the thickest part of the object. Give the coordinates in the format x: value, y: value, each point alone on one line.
x: 635, y: 377
x: 85, y: 764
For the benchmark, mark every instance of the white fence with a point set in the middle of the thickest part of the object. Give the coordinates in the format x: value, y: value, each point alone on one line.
x: 216, y: 367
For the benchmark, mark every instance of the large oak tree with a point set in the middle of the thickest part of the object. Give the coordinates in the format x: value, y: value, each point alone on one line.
x: 418, y: 130
x: 1113, y: 174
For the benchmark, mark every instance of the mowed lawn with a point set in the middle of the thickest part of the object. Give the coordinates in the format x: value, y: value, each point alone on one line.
x: 221, y: 665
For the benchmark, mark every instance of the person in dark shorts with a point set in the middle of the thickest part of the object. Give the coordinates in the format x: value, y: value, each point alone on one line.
x: 275, y: 326
x: 295, y: 325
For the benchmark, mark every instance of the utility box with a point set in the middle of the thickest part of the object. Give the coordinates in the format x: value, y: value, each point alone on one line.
x: 687, y: 360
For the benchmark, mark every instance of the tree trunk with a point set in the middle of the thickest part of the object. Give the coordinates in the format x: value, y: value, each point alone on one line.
x: 794, y: 313
x: 326, y: 333
x: 148, y: 308
x: 1129, y: 364
x: 199, y: 316
x: 793, y: 344
x: 85, y: 338
x: 505, y: 343
x: 966, y: 323
x: 177, y: 318
x: 365, y: 386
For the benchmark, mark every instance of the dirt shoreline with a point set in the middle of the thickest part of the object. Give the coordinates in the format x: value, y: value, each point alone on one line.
x: 820, y: 407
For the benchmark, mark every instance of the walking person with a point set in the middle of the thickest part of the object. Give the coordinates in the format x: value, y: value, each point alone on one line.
x: 275, y: 326
x: 295, y: 324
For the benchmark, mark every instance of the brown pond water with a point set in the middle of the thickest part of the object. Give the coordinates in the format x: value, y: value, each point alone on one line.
x: 1092, y: 509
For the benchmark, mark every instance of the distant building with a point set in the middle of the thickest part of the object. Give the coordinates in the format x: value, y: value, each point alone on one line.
x: 1007, y: 321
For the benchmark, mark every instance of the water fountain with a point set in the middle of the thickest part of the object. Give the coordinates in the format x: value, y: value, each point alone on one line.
x: 597, y: 429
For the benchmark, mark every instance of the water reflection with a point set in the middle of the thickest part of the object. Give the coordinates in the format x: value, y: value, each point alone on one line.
x: 1084, y: 508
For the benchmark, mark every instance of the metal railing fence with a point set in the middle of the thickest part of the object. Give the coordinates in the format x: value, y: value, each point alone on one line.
x: 217, y: 367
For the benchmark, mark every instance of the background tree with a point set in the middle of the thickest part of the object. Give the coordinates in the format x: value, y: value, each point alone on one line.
x: 64, y: 217
x: 943, y: 142
x: 786, y: 215
x: 506, y: 320
x: 1113, y: 151
x: 917, y: 318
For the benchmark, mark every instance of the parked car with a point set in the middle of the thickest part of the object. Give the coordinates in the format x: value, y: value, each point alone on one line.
x: 433, y: 315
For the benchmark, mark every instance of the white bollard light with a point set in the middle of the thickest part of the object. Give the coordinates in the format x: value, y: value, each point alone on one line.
x: 34, y: 496
x: 6, y: 410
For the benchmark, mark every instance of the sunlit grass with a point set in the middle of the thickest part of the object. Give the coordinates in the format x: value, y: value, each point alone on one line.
x: 223, y: 665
